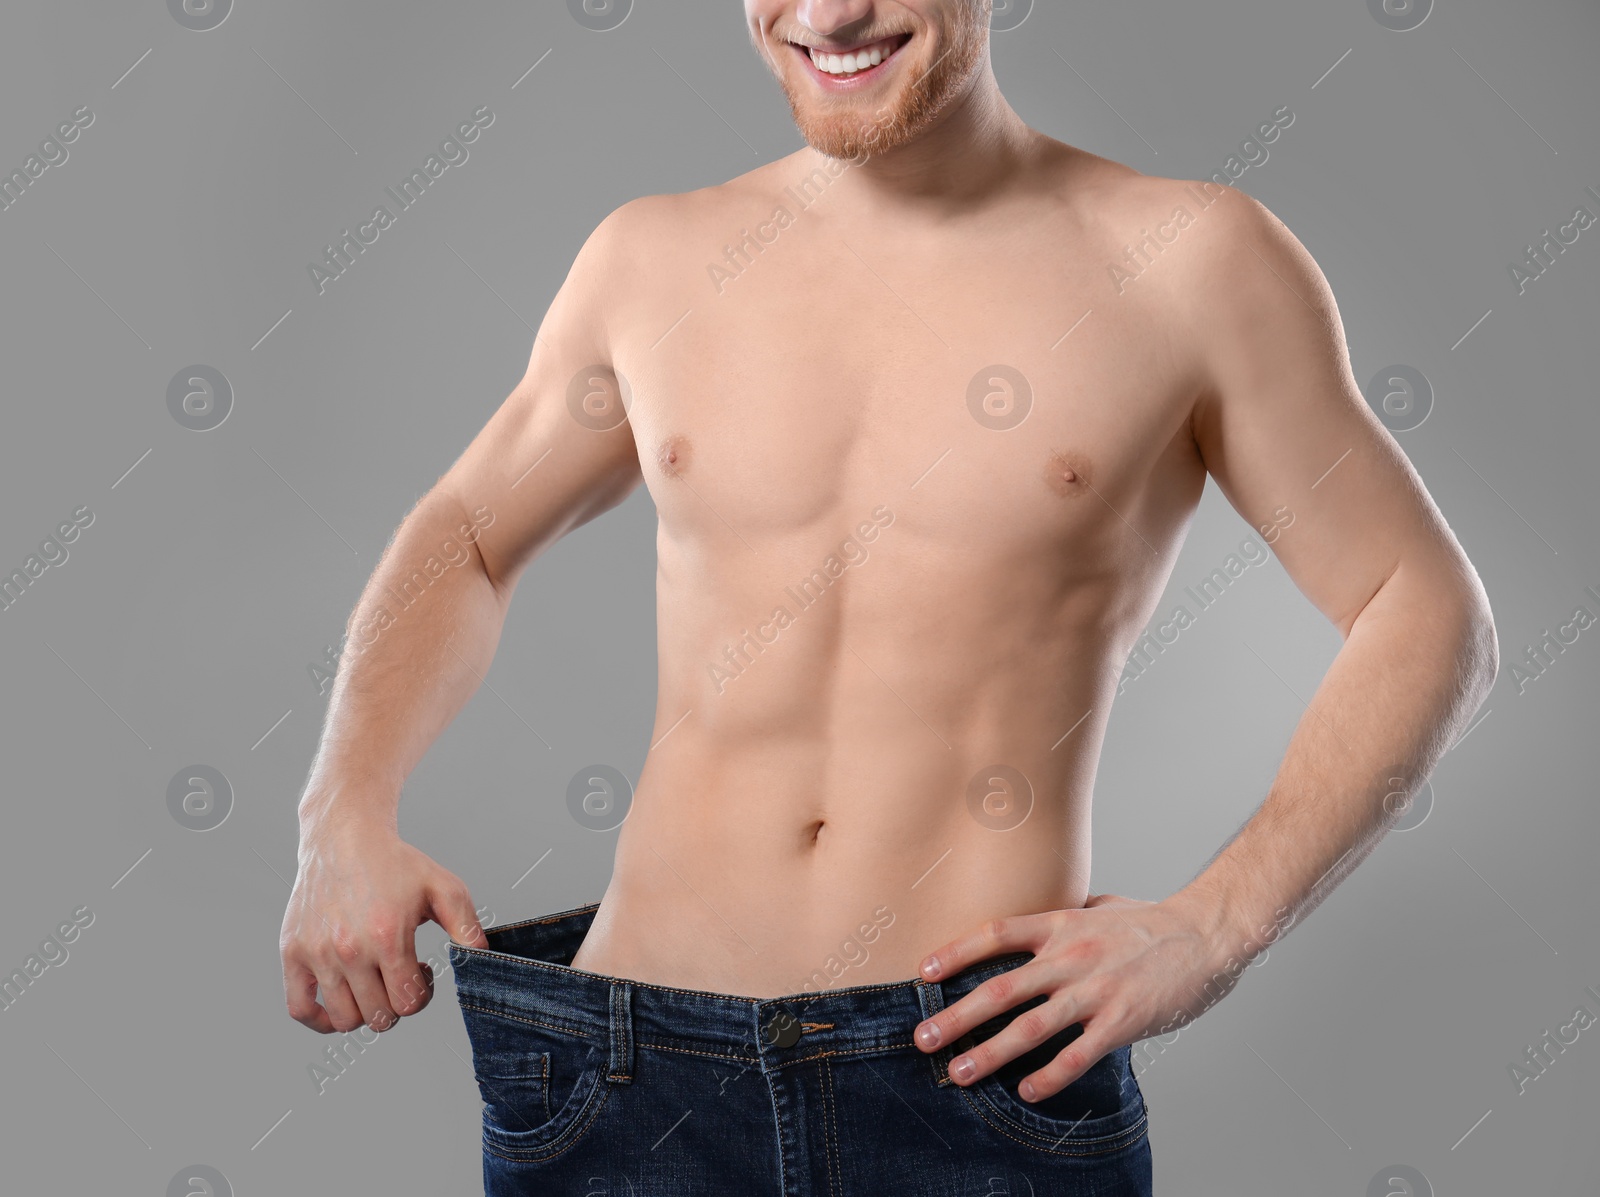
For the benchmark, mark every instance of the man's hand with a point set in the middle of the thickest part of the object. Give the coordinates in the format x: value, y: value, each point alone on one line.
x: 350, y: 929
x: 1123, y: 968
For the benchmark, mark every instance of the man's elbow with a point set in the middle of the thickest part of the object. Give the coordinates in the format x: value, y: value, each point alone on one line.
x: 1449, y: 610
x: 1477, y: 645
x: 1484, y: 645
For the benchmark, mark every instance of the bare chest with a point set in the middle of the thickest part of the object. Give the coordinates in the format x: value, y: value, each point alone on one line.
x: 999, y: 391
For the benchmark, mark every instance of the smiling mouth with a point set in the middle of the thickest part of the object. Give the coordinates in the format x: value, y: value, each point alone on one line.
x: 853, y: 61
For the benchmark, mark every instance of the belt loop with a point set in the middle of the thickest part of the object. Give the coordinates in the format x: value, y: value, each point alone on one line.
x: 621, y: 1033
x: 931, y: 995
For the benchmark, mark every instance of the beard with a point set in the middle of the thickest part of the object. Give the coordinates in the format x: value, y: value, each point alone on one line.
x: 840, y: 126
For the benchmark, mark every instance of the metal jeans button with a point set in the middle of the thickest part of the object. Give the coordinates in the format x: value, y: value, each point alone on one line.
x: 783, y: 1029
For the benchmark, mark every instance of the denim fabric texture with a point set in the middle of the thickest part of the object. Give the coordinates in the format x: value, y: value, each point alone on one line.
x: 597, y: 1086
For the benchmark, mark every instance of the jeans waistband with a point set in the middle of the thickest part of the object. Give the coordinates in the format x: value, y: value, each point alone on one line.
x: 525, y: 972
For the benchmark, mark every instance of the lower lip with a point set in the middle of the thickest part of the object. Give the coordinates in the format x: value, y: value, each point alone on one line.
x: 842, y: 83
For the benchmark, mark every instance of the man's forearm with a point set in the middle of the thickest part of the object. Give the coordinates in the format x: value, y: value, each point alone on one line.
x: 1418, y: 662
x: 417, y: 643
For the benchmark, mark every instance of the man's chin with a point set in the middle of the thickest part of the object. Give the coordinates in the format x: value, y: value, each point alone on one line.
x: 846, y: 141
x: 866, y: 127
x: 874, y: 122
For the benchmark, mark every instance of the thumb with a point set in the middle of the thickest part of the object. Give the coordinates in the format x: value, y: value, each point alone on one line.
x: 450, y: 905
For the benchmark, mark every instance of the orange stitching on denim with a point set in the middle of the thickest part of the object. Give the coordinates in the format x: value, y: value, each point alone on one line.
x: 573, y: 1135
x: 689, y: 1051
x: 626, y: 1013
x: 831, y: 1128
x: 839, y: 1051
x: 752, y: 1060
x: 848, y: 1051
x: 549, y: 1026
x: 815, y: 1026
x: 1130, y: 1135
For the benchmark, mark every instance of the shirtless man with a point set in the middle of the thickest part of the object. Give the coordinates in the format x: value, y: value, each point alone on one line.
x: 924, y: 439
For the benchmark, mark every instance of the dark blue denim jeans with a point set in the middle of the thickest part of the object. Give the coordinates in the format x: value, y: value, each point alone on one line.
x: 597, y: 1086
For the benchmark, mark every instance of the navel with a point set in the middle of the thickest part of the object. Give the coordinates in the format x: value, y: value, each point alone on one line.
x: 1067, y: 474
x: 673, y: 455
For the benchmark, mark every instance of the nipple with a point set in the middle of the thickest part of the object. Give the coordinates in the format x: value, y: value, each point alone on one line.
x: 673, y: 455
x: 1066, y: 475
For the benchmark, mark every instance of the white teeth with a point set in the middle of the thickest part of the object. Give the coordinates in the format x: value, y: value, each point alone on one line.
x: 849, y: 64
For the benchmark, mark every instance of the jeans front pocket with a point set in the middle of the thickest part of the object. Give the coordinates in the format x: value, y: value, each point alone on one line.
x: 1102, y: 1111
x: 542, y: 1083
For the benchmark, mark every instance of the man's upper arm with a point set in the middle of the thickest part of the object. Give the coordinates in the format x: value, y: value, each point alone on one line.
x: 1283, y: 428
x: 559, y: 451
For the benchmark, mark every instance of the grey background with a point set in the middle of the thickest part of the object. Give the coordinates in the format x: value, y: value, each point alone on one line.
x: 219, y: 564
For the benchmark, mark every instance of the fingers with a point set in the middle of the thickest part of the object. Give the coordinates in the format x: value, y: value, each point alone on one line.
x: 371, y: 997
x: 300, y: 991
x: 353, y: 991
x: 450, y: 905
x: 1027, y: 1030
x: 1071, y: 1063
x: 343, y: 1012
x: 333, y: 984
x: 372, y: 987
x: 409, y: 985
x: 349, y: 936
x: 995, y: 996
x: 1024, y: 931
x: 406, y: 985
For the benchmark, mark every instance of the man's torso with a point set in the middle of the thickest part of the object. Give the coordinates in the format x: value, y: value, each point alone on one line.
x: 919, y: 489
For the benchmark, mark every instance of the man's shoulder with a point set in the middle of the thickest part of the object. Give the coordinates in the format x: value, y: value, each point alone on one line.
x: 659, y: 222
x: 653, y: 253
x: 1209, y: 219
x: 1193, y: 245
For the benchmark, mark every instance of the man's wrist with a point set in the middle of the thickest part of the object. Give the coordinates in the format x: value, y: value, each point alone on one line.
x: 325, y: 811
x: 1234, y: 929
